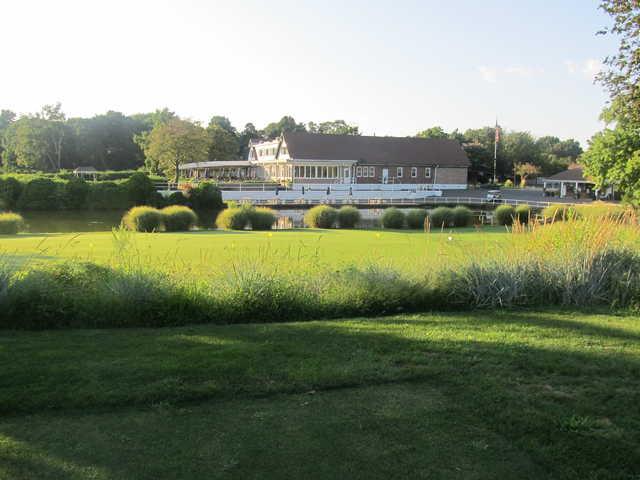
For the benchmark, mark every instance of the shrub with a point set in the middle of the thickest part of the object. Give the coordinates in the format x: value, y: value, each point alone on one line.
x: 143, y: 219
x: 504, y: 214
x: 262, y: 218
x: 560, y: 212
x: 177, y: 198
x: 206, y: 196
x: 392, y: 218
x: 10, y: 190
x: 523, y: 213
x: 321, y: 216
x: 10, y: 223
x: 234, y: 218
x: 348, y: 217
x: 508, y: 184
x: 178, y: 218
x: 441, y: 217
x: 415, y: 218
x: 140, y: 189
x: 462, y: 216
x: 39, y: 194
x: 74, y: 194
x: 107, y: 196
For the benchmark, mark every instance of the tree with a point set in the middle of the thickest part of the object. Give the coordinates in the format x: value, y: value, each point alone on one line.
x: 519, y: 147
x: 148, y: 122
x: 285, y: 124
x: 249, y: 133
x: 53, y: 130
x: 433, y: 132
x: 7, y: 117
x: 336, y: 127
x: 223, y: 145
x: 224, y: 123
x: 525, y: 170
x: 175, y: 142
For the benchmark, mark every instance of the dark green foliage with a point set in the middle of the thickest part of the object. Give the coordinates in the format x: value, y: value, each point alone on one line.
x: 143, y: 219
x: 523, y: 213
x: 206, y: 196
x: 392, y: 218
x: 140, y: 190
x: 234, y: 218
x: 10, y: 190
x: 39, y: 194
x: 348, y: 217
x: 441, y: 217
x: 178, y: 218
x: 415, y: 218
x: 75, y: 192
x: 261, y: 218
x: 177, y: 198
x: 10, y: 224
x: 107, y: 196
x: 462, y: 216
x: 504, y: 215
x: 321, y: 216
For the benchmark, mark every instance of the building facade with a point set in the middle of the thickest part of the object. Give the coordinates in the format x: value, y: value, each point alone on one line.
x: 302, y: 159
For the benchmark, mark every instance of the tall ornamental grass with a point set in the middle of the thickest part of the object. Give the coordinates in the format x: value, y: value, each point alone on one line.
x: 143, y: 219
x: 348, y: 217
x: 577, y: 263
x: 416, y: 218
x: 322, y: 216
x: 10, y: 223
x: 178, y: 218
x: 392, y: 218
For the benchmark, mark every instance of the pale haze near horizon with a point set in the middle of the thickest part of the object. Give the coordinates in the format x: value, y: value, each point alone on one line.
x: 391, y: 68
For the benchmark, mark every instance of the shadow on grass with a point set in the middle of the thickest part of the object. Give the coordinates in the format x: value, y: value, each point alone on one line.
x: 537, y: 380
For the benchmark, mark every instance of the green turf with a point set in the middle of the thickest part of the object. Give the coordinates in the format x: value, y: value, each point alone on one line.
x: 219, y: 247
x: 491, y: 395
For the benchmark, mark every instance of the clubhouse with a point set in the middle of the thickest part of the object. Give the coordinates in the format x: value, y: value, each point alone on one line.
x: 299, y: 158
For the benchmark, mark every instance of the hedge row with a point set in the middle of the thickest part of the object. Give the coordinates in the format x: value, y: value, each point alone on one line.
x: 42, y: 193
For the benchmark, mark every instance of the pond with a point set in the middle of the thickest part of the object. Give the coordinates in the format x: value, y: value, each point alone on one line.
x: 105, y: 220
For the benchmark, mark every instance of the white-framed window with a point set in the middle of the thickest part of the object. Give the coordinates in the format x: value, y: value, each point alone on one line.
x: 365, y: 171
x: 427, y: 172
x: 399, y: 172
x: 358, y: 171
x: 414, y: 172
x: 372, y: 172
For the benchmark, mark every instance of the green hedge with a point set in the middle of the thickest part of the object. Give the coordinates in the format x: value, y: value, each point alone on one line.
x: 441, y: 217
x: 416, y: 218
x: 392, y: 218
x: 10, y: 223
x: 348, y: 217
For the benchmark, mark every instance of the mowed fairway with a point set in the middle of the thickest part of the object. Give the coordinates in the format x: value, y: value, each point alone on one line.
x: 218, y: 248
x: 506, y: 395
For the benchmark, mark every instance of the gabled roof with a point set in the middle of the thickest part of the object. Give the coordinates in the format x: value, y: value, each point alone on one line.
x: 376, y: 150
x: 571, y: 175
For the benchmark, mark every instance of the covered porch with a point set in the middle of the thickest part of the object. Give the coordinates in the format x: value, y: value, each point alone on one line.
x: 219, y: 170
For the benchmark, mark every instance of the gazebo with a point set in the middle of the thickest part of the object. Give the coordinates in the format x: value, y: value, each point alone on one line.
x: 83, y: 172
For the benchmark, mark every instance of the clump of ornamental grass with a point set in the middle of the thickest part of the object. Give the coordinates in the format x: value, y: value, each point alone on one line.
x: 322, y: 216
x: 416, y: 218
x: 560, y: 212
x: 504, y: 215
x: 10, y: 223
x: 441, y: 217
x: 348, y: 217
x: 522, y: 214
x: 392, y: 218
x: 461, y: 216
x: 178, y: 218
x: 261, y: 218
x: 233, y: 218
x: 143, y: 219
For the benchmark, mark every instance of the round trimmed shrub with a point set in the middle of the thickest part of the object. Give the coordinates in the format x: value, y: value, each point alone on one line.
x: 393, y: 218
x: 235, y: 218
x: 348, y: 217
x: 178, y: 218
x: 322, y: 216
x: 441, y: 217
x: 523, y: 213
x: 10, y: 223
x: 462, y: 216
x: 143, y: 219
x: 262, y: 218
x: 560, y: 212
x: 415, y: 218
x: 504, y: 214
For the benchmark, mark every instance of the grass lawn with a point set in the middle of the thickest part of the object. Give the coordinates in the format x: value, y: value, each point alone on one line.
x: 521, y: 394
x: 331, y: 247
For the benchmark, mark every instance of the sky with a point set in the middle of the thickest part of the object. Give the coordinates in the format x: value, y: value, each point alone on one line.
x: 392, y: 68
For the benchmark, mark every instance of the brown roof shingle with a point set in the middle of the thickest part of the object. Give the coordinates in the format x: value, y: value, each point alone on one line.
x: 376, y: 150
x: 571, y: 175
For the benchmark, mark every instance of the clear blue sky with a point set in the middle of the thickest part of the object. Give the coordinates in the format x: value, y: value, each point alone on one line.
x: 393, y: 68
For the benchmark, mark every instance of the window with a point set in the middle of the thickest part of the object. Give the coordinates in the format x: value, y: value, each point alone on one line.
x: 365, y: 171
x: 399, y: 172
x: 372, y: 172
x: 414, y: 172
x: 358, y: 171
x: 427, y: 172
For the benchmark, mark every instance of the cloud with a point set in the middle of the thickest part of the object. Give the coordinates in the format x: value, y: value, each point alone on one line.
x: 491, y: 74
x: 588, y: 68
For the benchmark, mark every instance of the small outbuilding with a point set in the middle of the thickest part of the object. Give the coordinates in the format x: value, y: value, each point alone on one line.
x: 86, y: 172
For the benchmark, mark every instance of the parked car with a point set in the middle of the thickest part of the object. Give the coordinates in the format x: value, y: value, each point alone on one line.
x: 494, y: 195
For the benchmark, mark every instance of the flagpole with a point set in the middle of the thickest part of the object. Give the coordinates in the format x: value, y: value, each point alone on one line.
x: 495, y: 153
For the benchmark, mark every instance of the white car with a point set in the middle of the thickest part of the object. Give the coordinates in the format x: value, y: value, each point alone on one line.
x: 494, y: 195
